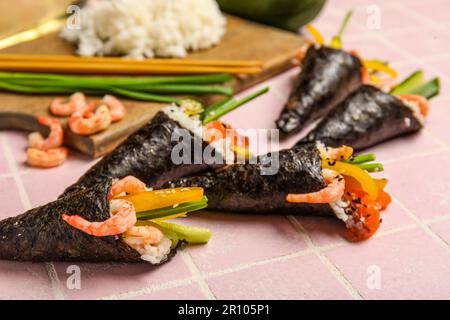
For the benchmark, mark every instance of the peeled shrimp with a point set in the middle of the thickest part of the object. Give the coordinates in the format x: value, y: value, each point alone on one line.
x: 123, y: 212
x: 88, y: 120
x: 129, y: 185
x: 123, y: 218
x: 142, y: 235
x: 76, y: 102
x: 54, y: 140
x: 46, y: 159
x: 332, y: 193
x: 116, y: 108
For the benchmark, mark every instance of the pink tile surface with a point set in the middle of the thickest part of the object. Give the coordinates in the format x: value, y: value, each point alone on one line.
x: 24, y: 281
x: 103, y: 280
x: 10, y: 199
x: 442, y: 229
x: 190, y: 292
x: 409, y: 265
x: 251, y: 256
x: 280, y: 280
x: 239, y: 240
x: 431, y: 195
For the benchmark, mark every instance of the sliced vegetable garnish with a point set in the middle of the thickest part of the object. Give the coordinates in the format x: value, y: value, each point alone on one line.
x: 176, y: 232
x: 379, y: 66
x: 336, y: 41
x: 366, y: 181
x: 216, y: 111
x: 371, y: 167
x: 413, y: 81
x: 164, y: 213
x: 317, y: 36
x: 429, y: 89
x: 151, y: 200
x: 362, y: 158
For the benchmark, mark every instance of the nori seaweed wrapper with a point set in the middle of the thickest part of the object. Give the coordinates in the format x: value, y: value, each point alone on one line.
x: 146, y: 155
x: 40, y: 234
x: 327, y: 77
x: 367, y: 117
x: 243, y: 188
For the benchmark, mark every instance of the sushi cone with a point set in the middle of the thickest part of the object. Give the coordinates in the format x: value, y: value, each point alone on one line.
x: 244, y: 188
x: 367, y: 117
x: 146, y: 155
x: 41, y: 234
x: 327, y: 77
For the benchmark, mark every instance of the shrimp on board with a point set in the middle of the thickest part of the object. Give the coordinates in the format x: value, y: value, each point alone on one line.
x: 116, y: 108
x: 65, y: 109
x: 54, y: 140
x: 331, y: 193
x: 46, y: 159
x: 89, y: 120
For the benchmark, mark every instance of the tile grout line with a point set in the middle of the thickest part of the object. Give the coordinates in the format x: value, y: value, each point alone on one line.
x: 152, y: 289
x: 422, y: 225
x: 206, y: 290
x: 245, y: 266
x: 325, y: 260
x: 26, y: 204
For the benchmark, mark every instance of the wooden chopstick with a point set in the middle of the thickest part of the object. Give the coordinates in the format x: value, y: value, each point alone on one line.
x: 119, y: 68
x: 107, y: 60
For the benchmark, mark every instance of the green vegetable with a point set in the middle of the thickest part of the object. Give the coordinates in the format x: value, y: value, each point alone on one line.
x: 411, y: 82
x: 285, y: 14
x: 415, y: 84
x: 371, y: 167
x: 429, y: 89
x: 220, y: 109
x: 170, y: 211
x: 336, y: 41
x: 192, y: 235
x: 361, y: 159
x: 142, y: 88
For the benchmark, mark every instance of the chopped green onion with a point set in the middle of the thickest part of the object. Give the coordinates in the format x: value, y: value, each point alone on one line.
x: 371, y: 167
x: 184, y: 88
x: 215, y: 112
x: 170, y: 211
x: 413, y: 81
x: 361, y: 159
x: 144, y: 96
x: 429, y: 89
x: 336, y: 41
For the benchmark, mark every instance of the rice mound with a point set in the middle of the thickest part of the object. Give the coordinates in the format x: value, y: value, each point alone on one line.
x: 147, y: 28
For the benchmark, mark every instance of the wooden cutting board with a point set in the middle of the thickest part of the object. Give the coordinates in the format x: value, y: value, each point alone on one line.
x: 244, y: 40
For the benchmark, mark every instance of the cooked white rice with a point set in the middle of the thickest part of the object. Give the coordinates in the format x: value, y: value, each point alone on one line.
x: 147, y: 28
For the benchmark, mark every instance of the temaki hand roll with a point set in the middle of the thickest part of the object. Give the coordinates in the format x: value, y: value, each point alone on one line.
x: 312, y: 179
x: 370, y: 116
x: 147, y: 153
x: 329, y: 74
x: 103, y: 224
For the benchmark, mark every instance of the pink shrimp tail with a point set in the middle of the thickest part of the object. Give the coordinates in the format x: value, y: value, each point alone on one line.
x: 332, y: 193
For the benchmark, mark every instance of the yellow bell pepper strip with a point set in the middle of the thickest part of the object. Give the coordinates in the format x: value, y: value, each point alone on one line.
x: 317, y: 36
x: 151, y: 200
x: 375, y: 65
x: 366, y: 181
